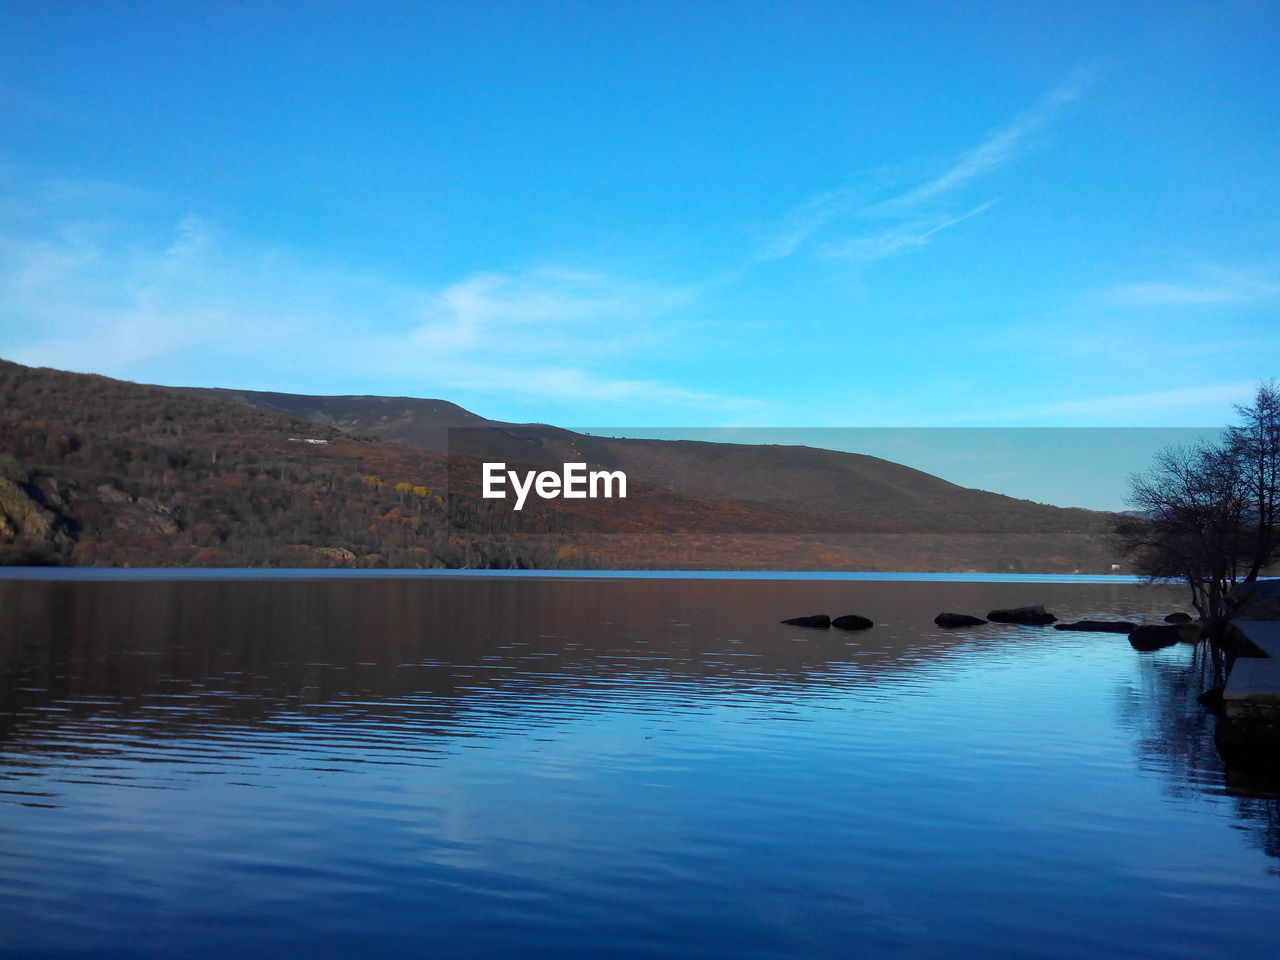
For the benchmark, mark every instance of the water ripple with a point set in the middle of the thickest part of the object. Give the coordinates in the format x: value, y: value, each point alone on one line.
x: 506, y: 767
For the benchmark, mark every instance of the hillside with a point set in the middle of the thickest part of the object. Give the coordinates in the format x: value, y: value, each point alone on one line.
x: 95, y: 471
x: 100, y: 471
x: 104, y: 472
x: 824, y: 491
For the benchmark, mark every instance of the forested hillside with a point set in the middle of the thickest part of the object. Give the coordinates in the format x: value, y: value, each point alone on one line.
x: 100, y: 471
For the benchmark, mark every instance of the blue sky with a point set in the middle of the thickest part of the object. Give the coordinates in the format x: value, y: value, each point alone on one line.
x: 660, y: 213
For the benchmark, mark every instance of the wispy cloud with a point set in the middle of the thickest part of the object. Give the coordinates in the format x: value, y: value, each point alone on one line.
x: 999, y: 148
x: 1210, y: 287
x: 899, y: 238
x: 881, y: 216
x: 811, y: 216
x: 182, y: 300
x: 544, y: 311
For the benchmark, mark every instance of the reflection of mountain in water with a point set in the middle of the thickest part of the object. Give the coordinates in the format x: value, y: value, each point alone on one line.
x: 176, y: 656
x: 1176, y: 740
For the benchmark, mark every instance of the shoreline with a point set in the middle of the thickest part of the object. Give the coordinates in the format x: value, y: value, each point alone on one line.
x: 124, y: 574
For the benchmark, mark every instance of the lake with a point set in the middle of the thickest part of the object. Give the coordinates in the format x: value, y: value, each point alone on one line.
x: 611, y: 767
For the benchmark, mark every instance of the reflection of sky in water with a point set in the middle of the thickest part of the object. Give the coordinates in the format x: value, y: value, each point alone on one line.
x: 511, y: 767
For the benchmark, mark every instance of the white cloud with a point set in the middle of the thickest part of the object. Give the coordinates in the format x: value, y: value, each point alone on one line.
x: 899, y: 238
x: 1000, y: 147
x: 133, y: 299
x: 544, y: 311
x: 1215, y: 287
x: 915, y: 213
x: 571, y: 383
x: 808, y: 218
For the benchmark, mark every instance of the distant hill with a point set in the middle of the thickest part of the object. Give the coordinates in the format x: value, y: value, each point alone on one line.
x: 827, y: 490
x: 101, y: 471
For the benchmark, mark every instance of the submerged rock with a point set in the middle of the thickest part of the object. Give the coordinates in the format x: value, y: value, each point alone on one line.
x: 1029, y: 616
x: 1178, y: 618
x: 1098, y: 626
x: 819, y: 620
x: 1154, y: 637
x: 852, y: 622
x: 957, y: 620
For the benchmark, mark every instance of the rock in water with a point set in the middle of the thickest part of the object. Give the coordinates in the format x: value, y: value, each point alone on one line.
x: 957, y: 620
x: 852, y: 622
x: 1193, y: 631
x: 1098, y: 626
x: 1029, y: 616
x: 820, y: 620
x: 1151, y: 637
x: 1178, y: 618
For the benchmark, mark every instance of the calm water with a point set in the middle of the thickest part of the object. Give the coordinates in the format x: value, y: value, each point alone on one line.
x: 520, y: 767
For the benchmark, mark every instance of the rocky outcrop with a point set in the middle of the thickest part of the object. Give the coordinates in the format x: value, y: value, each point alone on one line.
x: 957, y: 620
x: 852, y: 621
x: 30, y: 505
x: 1027, y: 616
x: 109, y: 494
x: 20, y: 515
x: 338, y: 556
x: 819, y: 621
x: 147, y: 516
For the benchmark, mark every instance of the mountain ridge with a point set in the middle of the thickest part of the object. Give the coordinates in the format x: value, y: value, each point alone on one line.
x: 846, y: 486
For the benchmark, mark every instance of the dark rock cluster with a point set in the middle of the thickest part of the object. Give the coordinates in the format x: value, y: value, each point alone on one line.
x: 1028, y: 616
x: 821, y: 621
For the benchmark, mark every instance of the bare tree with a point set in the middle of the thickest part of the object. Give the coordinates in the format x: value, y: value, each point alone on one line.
x: 1207, y: 515
x: 1255, y: 444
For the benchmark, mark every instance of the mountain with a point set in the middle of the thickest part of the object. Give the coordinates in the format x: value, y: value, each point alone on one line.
x: 101, y: 471
x: 822, y: 490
